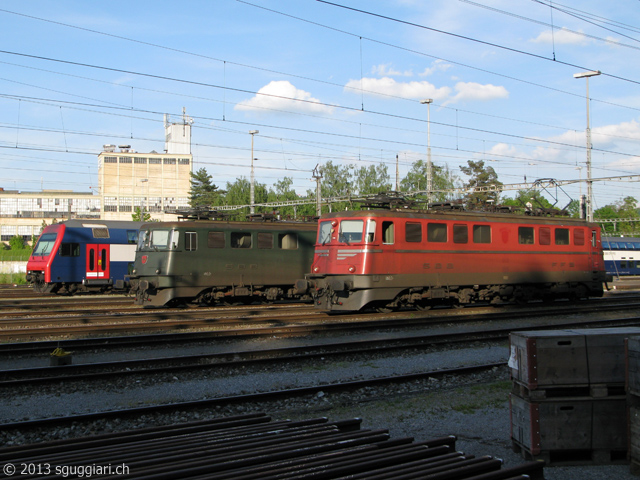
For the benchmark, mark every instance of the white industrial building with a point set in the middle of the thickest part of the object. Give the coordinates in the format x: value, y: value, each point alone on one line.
x: 156, y: 182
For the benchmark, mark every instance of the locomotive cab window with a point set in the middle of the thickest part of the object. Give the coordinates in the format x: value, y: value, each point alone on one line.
x: 562, y: 236
x: 158, y: 240
x: 413, y: 232
x: 482, y: 234
x: 288, y: 241
x: 437, y: 232
x: 215, y: 240
x: 525, y: 235
x: 70, y: 250
x: 190, y: 241
x: 265, y: 240
x: 460, y: 234
x: 324, y: 232
x: 240, y: 240
x: 351, y: 231
x: 371, y: 230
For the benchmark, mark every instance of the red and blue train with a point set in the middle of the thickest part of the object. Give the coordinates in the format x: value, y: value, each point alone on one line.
x: 78, y: 256
x: 393, y: 258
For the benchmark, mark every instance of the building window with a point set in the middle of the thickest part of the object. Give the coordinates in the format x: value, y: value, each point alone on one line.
x: 126, y: 160
x: 110, y: 159
x: 183, y: 161
x: 155, y: 161
x: 139, y: 160
x: 169, y: 161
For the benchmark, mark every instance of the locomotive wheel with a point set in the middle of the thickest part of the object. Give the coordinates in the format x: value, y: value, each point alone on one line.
x: 42, y: 287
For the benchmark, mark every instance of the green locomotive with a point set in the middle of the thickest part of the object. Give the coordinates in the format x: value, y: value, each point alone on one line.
x: 221, y: 262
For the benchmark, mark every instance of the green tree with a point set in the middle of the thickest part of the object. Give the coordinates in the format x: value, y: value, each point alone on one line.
x: 140, y: 215
x: 442, y: 179
x: 16, y: 242
x: 203, y: 193
x: 625, y: 209
x: 372, y: 180
x: 481, y: 176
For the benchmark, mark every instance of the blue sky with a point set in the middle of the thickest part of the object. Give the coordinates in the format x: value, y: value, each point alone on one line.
x: 322, y: 82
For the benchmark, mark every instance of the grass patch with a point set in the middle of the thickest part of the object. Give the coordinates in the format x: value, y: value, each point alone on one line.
x: 13, y: 279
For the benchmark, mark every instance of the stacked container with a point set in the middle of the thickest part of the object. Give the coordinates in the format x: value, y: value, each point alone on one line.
x: 568, y: 403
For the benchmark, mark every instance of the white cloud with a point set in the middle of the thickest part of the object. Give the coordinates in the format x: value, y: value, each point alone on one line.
x: 477, y: 91
x: 388, y: 86
x: 438, y: 66
x: 561, y: 37
x: 282, y: 95
x: 385, y: 70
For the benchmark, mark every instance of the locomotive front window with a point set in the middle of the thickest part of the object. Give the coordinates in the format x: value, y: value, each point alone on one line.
x: 351, y: 231
x: 158, y: 240
x: 324, y: 232
x: 45, y: 244
x: 371, y: 230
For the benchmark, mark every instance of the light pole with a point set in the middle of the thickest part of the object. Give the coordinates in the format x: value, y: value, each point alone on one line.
x: 145, y: 180
x: 429, y: 101
x: 252, y: 208
x: 586, y: 75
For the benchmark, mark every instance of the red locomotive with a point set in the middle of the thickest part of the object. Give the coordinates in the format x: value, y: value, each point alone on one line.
x: 387, y: 259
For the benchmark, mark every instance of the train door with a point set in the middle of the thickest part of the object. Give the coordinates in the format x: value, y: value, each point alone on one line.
x: 98, y: 260
x: 596, y: 259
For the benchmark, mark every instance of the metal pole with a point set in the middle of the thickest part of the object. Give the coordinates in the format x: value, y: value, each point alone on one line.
x: 252, y: 208
x: 429, y: 101
x: 586, y: 75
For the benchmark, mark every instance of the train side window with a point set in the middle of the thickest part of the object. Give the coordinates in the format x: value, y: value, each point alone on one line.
x: 288, y: 241
x: 102, y: 262
x: 240, y: 240
x: 544, y: 236
x: 371, y: 230
x: 482, y: 234
x: 562, y: 236
x: 525, y: 235
x: 578, y: 236
x: 132, y: 236
x: 387, y: 232
x: 437, y: 232
x: 460, y: 234
x: 215, y: 240
x: 70, y: 250
x: 623, y: 264
x: 265, y: 240
x: 92, y: 260
x: 413, y: 232
x: 190, y: 241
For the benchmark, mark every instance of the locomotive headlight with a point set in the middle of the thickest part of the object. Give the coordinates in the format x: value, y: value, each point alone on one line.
x: 133, y: 271
x: 158, y: 271
x: 352, y: 269
x: 334, y: 223
x: 316, y: 269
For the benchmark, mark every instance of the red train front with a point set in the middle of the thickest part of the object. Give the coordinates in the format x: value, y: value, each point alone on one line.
x: 389, y: 259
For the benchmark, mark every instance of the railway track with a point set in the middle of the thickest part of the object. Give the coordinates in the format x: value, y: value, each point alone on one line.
x: 296, y: 319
